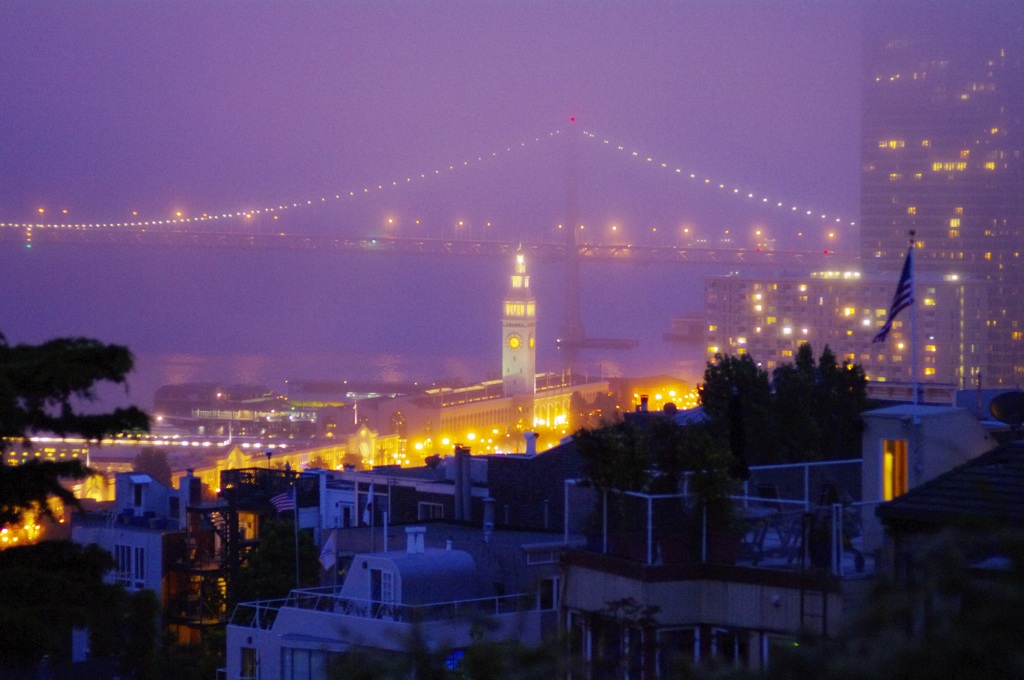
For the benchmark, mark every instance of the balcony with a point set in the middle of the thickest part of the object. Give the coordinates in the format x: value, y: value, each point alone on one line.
x: 800, y: 518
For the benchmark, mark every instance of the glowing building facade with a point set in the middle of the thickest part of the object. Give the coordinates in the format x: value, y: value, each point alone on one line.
x: 942, y: 154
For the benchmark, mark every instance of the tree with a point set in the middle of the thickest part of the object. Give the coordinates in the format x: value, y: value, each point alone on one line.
x: 154, y: 462
x: 270, y: 572
x: 817, y: 406
x: 842, y: 397
x: 808, y: 410
x: 614, y: 457
x: 42, y: 389
x: 794, y: 408
x: 736, y: 395
x: 46, y: 590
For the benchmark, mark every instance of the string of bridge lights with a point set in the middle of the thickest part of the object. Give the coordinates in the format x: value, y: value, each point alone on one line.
x: 373, y: 188
x: 351, y: 194
x: 738, y: 192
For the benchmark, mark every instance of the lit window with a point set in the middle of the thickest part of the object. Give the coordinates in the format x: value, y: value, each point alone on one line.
x: 926, y: 142
x: 964, y: 153
x: 929, y: 348
x: 990, y: 165
x: 912, y: 210
x: 959, y: 210
x: 894, y: 468
x: 849, y: 311
x: 929, y: 371
x: 954, y: 223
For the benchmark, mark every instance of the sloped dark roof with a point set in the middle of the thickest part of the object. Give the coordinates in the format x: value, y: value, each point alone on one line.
x: 987, y: 488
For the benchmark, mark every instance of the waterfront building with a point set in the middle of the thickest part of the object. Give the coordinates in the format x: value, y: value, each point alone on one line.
x: 489, y: 416
x: 942, y: 155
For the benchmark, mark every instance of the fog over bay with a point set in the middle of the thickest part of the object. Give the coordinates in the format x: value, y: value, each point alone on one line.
x: 130, y: 112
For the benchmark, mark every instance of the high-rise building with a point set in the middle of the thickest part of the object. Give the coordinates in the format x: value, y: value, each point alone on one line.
x: 943, y: 156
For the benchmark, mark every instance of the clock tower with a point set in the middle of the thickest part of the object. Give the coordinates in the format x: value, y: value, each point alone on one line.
x: 519, y: 333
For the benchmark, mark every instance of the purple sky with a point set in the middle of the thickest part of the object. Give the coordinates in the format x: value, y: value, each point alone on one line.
x: 112, y: 107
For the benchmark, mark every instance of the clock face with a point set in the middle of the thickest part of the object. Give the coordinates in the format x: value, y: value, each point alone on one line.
x: 531, y: 342
x: 514, y: 341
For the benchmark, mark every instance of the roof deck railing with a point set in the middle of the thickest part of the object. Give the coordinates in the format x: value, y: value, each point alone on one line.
x: 789, y: 517
x: 262, y: 614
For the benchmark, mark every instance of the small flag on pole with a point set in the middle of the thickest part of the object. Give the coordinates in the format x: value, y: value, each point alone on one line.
x: 368, y: 510
x: 904, y: 296
x: 283, y: 502
x: 328, y: 554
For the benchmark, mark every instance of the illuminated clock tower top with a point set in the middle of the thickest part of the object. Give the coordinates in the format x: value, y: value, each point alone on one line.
x: 519, y: 332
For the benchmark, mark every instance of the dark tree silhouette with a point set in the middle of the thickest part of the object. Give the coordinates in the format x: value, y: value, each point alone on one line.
x: 807, y: 411
x: 154, y: 463
x: 736, y: 395
x: 42, y: 389
x: 270, y: 572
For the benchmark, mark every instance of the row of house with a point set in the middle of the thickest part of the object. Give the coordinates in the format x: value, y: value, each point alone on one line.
x: 521, y: 547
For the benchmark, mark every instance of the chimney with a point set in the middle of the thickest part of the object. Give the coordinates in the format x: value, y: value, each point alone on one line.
x: 193, y: 487
x: 531, y: 443
x: 463, y: 484
x: 643, y: 403
x: 414, y: 539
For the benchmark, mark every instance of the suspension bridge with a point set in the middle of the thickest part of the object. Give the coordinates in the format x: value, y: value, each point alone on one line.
x: 234, y: 229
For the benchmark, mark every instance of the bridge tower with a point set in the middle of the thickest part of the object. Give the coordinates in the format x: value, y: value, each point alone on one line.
x: 519, y: 333
x: 572, y: 333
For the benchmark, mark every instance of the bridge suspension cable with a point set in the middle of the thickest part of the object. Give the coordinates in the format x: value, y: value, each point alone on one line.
x: 672, y: 169
x: 352, y: 193
x: 690, y: 175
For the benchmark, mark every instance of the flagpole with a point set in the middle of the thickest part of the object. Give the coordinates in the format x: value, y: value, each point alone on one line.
x: 913, y: 327
x: 295, y: 516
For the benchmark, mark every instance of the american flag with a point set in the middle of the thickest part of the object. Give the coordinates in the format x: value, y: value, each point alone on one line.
x: 904, y: 296
x: 283, y: 502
